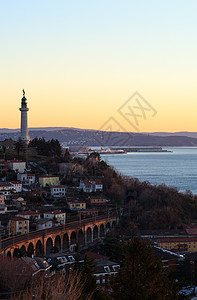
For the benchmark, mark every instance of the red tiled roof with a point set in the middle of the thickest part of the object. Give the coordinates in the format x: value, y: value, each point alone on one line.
x: 177, y: 239
x: 58, y: 186
x: 97, y: 181
x: 191, y: 230
x: 19, y: 219
x: 75, y: 201
x: 94, y: 255
x: 39, y: 192
x: 16, y: 182
x: 16, y: 161
x: 47, y: 176
x: 86, y: 182
x: 4, y: 184
x: 55, y: 212
x: 30, y: 174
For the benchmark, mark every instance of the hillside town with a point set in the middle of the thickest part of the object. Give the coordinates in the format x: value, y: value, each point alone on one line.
x: 68, y: 219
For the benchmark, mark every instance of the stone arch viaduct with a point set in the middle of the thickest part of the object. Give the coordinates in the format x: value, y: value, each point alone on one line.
x: 64, y: 237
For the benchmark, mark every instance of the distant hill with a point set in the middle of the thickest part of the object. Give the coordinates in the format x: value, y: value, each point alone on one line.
x: 181, y: 133
x: 82, y: 137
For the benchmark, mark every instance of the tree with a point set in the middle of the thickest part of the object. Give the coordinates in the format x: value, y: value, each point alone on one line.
x: 90, y: 287
x: 142, y: 276
x: 56, y: 287
x: 19, y: 146
x: 67, y: 156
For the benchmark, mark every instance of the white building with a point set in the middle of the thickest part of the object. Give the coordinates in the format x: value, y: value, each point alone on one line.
x: 44, y: 223
x: 6, y: 189
x: 24, y: 109
x: 17, y: 186
x: 17, y: 165
x: 29, y: 215
x: 59, y: 216
x: 26, y: 178
x: 89, y: 186
x: 58, y: 191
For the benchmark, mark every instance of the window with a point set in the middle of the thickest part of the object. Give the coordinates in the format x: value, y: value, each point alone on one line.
x: 107, y: 269
x: 71, y: 258
x: 116, y: 268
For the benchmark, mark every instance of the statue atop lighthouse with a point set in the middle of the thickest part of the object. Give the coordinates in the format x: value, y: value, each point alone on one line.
x: 24, y: 109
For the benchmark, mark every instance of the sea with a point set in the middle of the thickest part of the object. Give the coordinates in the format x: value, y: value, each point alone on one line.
x: 176, y: 168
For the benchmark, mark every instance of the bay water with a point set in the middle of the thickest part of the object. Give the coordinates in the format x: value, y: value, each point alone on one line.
x: 177, y: 168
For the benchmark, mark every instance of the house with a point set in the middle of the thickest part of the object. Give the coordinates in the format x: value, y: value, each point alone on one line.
x: 17, y: 165
x: 33, y: 215
x: 85, y: 185
x: 6, y: 186
x: 178, y: 244
x: 6, y: 189
x: 59, y: 216
x: 58, y: 191
x: 89, y: 186
x: 18, y: 225
x: 103, y: 268
x: 37, y: 265
x: 97, y: 200
x: 26, y: 178
x: 169, y: 259
x: 49, y: 180
x: 77, y: 205
x: 44, y: 223
x: 17, y: 186
x: 97, y: 185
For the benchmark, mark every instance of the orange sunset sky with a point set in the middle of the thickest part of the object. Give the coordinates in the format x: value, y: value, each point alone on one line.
x: 79, y: 62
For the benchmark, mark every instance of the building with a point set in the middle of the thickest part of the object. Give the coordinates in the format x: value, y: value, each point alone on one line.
x: 49, y: 180
x: 169, y: 259
x: 17, y: 165
x: 6, y: 189
x: 26, y: 178
x: 97, y: 200
x: 19, y: 225
x: 44, y: 223
x: 97, y: 185
x: 89, y: 186
x: 58, y: 191
x: 178, y: 244
x: 76, y: 205
x: 104, y: 269
x: 24, y: 109
x: 30, y: 215
x: 17, y: 186
x: 59, y: 216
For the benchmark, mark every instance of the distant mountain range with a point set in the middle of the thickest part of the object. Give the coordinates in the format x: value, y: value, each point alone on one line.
x: 86, y: 137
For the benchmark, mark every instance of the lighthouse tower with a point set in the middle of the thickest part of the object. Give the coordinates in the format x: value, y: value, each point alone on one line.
x: 24, y: 110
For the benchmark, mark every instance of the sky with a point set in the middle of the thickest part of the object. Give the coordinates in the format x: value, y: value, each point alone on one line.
x: 82, y: 62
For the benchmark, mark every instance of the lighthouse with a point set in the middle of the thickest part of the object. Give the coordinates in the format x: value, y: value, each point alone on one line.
x: 24, y: 109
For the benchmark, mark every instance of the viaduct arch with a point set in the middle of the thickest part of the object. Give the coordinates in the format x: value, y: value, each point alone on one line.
x: 64, y: 239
